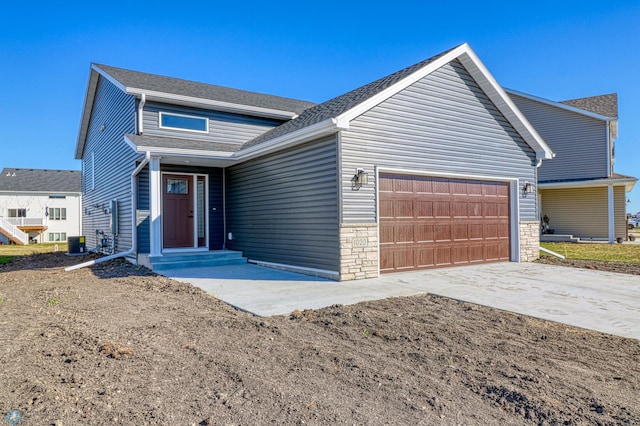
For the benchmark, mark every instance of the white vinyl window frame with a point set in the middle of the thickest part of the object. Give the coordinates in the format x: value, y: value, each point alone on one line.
x: 161, y: 114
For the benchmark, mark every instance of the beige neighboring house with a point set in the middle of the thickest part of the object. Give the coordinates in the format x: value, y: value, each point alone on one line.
x: 38, y: 206
x: 581, y: 196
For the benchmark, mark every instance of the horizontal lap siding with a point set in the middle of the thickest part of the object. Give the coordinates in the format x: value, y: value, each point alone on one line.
x: 112, y: 116
x: 579, y: 142
x: 224, y: 127
x: 581, y: 212
x: 283, y: 207
x: 443, y: 123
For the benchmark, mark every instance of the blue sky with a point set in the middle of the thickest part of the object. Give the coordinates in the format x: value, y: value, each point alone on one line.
x: 306, y: 50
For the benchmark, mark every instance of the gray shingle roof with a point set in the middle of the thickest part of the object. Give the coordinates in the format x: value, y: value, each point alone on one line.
x: 176, y: 86
x: 606, y: 105
x: 177, y: 143
x: 40, y: 180
x: 338, y: 105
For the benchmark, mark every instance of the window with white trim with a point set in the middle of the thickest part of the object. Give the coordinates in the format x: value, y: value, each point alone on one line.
x: 17, y: 212
x: 57, y: 213
x: 190, y: 123
x: 57, y: 236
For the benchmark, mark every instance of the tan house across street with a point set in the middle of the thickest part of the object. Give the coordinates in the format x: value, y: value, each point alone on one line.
x: 581, y: 197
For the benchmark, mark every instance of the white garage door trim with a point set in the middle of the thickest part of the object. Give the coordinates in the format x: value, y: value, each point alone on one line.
x: 514, y: 200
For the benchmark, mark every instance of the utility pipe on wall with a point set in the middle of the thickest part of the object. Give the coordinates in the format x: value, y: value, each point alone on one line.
x: 134, y: 230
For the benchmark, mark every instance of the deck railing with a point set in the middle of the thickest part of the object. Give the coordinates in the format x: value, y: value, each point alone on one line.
x: 12, y: 232
x: 25, y: 221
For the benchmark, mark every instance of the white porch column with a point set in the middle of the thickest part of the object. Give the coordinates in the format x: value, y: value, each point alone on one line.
x: 611, y: 215
x: 155, y: 201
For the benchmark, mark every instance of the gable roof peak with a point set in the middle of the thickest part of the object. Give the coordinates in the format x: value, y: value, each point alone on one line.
x: 339, y: 111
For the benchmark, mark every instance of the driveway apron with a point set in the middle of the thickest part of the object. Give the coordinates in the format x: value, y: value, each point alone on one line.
x: 602, y: 301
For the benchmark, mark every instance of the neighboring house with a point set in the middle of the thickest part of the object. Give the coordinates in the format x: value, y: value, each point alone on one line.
x: 39, y: 205
x: 580, y: 194
x: 423, y: 168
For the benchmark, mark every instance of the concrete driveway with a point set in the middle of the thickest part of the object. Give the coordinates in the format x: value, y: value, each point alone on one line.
x: 595, y: 300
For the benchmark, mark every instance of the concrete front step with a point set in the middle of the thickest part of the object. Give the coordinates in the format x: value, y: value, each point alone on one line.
x: 192, y: 260
x: 558, y: 238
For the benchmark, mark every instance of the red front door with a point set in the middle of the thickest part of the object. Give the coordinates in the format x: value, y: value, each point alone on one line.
x: 177, y: 211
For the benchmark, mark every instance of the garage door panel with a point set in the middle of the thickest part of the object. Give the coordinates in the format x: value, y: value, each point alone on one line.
x: 442, y: 231
x: 423, y: 209
x: 460, y: 231
x: 424, y: 233
x: 386, y: 208
x: 437, y: 222
x: 386, y: 233
x: 459, y: 209
x: 441, y: 209
x: 422, y: 186
x: 403, y: 208
x: 403, y: 233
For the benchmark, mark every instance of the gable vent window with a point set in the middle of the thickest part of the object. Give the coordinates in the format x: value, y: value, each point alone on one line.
x: 190, y: 123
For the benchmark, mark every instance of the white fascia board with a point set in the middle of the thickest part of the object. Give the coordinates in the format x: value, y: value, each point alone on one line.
x: 209, y: 103
x: 559, y: 105
x: 385, y: 94
x: 626, y: 182
x: 305, y: 134
x: 503, y: 102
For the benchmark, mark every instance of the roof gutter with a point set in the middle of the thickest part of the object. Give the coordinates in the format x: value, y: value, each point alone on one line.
x: 314, y: 131
x: 219, y: 105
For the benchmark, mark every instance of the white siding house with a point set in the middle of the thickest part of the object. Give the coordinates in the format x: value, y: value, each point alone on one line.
x: 39, y: 206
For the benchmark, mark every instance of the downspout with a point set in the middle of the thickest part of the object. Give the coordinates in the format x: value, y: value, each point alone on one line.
x: 134, y: 230
x: 143, y: 100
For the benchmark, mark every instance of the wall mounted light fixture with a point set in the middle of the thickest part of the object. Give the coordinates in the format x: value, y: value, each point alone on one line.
x: 359, y: 179
x: 527, y: 188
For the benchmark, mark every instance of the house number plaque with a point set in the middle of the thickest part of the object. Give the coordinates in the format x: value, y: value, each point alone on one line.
x: 359, y: 242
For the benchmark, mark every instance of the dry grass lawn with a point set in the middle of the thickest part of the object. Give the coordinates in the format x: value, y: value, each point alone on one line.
x: 601, y: 252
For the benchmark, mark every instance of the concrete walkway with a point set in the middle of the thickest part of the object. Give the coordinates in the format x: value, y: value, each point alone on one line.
x: 601, y: 301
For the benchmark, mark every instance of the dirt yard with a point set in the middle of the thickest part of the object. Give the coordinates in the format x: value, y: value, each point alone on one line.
x: 116, y: 344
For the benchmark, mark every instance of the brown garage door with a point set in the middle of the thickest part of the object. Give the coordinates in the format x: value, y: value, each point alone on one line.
x: 429, y: 222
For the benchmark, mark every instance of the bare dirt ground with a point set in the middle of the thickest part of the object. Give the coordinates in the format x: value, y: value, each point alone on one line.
x: 116, y: 344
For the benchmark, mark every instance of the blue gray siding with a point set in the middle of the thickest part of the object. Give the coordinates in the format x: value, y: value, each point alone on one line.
x: 580, y: 142
x: 143, y: 214
x: 443, y: 123
x: 224, y: 127
x: 283, y: 207
x: 112, y: 116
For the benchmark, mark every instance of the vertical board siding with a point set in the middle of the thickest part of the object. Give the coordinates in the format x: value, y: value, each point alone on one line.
x: 579, y: 142
x: 443, y: 123
x: 224, y: 127
x: 581, y: 212
x: 114, y: 162
x: 215, y: 201
x: 283, y: 207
